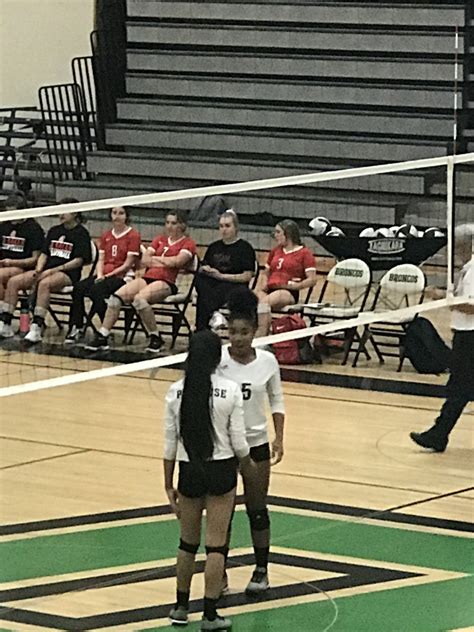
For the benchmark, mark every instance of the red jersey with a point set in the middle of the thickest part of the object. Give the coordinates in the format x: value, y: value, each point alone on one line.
x: 164, y: 247
x: 289, y: 266
x: 116, y: 248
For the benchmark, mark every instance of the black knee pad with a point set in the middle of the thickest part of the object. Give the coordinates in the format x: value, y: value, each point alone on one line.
x: 259, y: 519
x: 189, y: 548
x: 223, y: 550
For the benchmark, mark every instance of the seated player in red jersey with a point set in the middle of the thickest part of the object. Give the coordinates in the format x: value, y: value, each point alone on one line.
x: 119, y: 251
x: 290, y: 267
x: 66, y: 249
x: 164, y: 259
x: 20, y: 246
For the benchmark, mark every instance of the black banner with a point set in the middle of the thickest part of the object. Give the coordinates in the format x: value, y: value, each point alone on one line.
x: 382, y: 253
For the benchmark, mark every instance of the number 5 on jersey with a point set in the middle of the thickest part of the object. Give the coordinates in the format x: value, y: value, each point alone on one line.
x: 246, y: 391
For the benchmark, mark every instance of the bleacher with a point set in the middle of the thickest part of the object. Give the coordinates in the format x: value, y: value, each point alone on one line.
x: 219, y: 92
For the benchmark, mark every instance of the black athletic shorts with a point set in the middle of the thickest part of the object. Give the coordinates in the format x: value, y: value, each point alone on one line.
x: 294, y: 293
x: 213, y: 478
x: 172, y: 286
x: 260, y: 453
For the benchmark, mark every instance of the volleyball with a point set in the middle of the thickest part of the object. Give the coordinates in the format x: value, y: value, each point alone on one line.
x: 433, y: 232
x: 320, y: 225
x: 407, y: 230
x: 335, y: 232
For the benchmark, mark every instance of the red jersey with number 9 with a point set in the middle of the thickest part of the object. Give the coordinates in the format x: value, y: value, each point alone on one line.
x: 116, y: 248
x: 164, y: 247
x: 289, y: 266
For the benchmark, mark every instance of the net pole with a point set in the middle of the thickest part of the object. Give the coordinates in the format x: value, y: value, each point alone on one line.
x: 450, y: 226
x: 451, y: 174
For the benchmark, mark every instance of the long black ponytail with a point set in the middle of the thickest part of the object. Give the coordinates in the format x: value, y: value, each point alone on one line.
x: 196, y: 427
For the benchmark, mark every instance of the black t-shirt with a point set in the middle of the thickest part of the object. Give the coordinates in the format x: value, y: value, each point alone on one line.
x: 65, y: 244
x: 232, y: 258
x: 20, y: 239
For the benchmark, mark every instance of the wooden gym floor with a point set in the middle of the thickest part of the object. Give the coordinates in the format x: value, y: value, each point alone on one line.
x: 369, y: 532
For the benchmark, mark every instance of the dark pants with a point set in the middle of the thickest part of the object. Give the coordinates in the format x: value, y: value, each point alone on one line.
x: 212, y: 294
x: 97, y: 292
x: 460, y: 387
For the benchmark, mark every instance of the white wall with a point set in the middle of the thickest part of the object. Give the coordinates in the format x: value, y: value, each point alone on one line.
x: 38, y: 39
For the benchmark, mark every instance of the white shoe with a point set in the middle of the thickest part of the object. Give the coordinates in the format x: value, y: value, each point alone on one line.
x: 6, y: 331
x: 34, y: 335
x: 258, y: 583
x: 218, y: 321
x: 73, y: 336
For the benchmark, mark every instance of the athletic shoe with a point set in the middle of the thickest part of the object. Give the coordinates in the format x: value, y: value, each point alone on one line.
x: 219, y: 623
x: 217, y: 321
x: 178, y: 616
x: 34, y: 335
x: 155, y: 344
x: 100, y: 343
x: 430, y: 440
x: 258, y: 583
x: 6, y: 331
x: 74, y: 335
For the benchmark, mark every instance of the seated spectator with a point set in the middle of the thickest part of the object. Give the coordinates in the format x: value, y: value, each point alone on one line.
x: 66, y: 249
x: 119, y: 251
x: 228, y: 263
x: 164, y: 259
x: 290, y: 267
x: 21, y: 242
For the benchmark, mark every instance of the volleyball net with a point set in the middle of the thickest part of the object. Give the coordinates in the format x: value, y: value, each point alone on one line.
x: 385, y: 215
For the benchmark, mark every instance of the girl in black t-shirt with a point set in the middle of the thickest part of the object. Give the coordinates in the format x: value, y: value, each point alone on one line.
x: 21, y: 242
x: 67, y: 247
x: 228, y: 263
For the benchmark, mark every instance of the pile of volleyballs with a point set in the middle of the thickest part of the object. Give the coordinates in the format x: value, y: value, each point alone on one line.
x: 321, y: 226
x: 404, y: 231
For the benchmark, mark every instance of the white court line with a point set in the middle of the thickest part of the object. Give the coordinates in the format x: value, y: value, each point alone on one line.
x: 239, y: 187
x: 363, y: 319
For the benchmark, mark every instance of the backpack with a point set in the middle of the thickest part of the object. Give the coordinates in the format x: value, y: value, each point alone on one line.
x: 208, y: 209
x: 291, y: 351
x: 425, y: 348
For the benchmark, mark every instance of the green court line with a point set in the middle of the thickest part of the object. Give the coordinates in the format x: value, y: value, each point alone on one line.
x: 113, y: 546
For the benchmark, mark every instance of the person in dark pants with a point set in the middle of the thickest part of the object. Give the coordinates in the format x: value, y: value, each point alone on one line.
x: 227, y: 264
x: 119, y: 251
x: 460, y: 387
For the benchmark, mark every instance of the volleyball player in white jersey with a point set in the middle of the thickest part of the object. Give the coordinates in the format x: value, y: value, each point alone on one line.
x: 205, y: 432
x: 258, y: 374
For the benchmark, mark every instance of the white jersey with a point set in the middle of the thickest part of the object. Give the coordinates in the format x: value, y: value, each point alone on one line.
x: 227, y: 417
x: 259, y: 380
x: 464, y: 287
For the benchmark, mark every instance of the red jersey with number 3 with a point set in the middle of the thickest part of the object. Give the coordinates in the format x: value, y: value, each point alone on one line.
x: 117, y: 247
x: 164, y: 247
x: 289, y: 266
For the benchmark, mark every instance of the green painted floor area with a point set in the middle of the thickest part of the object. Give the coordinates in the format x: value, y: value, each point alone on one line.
x: 121, y: 545
x: 434, y: 607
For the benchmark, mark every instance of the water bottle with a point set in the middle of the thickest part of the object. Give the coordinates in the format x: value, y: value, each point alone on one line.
x: 24, y: 316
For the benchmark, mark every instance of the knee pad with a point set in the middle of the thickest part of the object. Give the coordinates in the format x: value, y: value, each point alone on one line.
x: 115, y: 301
x: 140, y: 303
x: 188, y: 548
x: 223, y: 550
x: 263, y: 308
x: 259, y: 519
